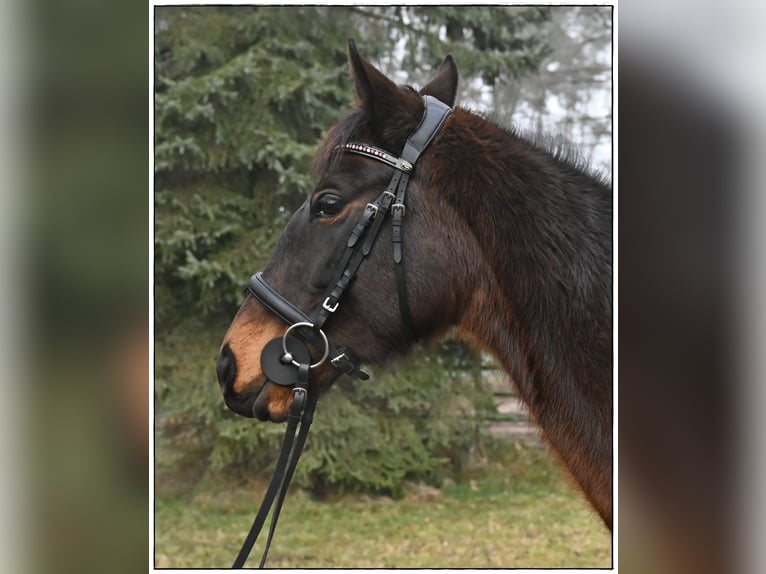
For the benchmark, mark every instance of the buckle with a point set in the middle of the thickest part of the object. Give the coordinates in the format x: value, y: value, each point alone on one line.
x: 299, y: 397
x: 374, y: 209
x: 326, y: 305
x: 399, y: 206
x: 389, y: 194
x: 338, y: 359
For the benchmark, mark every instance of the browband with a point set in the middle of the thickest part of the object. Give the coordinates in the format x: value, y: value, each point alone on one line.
x: 378, y: 154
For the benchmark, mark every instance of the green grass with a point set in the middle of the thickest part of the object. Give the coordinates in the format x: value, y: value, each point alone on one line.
x: 518, y: 513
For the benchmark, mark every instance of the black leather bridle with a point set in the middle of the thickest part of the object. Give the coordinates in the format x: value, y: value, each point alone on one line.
x: 286, y: 360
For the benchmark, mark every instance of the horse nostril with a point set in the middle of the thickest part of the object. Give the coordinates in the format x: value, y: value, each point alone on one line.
x: 226, y: 369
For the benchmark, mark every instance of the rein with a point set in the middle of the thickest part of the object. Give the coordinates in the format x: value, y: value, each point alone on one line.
x: 286, y: 360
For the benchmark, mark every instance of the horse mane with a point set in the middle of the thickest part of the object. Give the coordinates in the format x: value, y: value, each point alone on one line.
x: 557, y: 147
x: 561, y: 149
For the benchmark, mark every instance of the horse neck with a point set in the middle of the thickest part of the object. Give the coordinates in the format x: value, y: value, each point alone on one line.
x: 542, y: 304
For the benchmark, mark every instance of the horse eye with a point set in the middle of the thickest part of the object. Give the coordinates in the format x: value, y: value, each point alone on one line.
x: 329, y: 205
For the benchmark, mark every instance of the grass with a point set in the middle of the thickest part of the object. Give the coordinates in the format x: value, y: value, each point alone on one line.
x: 520, y: 512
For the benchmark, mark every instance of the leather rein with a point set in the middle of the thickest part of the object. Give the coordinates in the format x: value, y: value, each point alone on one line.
x: 286, y: 360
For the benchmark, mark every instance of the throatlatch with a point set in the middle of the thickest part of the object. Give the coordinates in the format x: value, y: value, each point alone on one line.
x: 286, y: 360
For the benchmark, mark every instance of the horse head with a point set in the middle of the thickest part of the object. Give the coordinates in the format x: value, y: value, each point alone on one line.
x: 304, y: 264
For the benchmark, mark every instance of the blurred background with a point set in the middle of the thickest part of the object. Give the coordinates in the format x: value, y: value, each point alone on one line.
x: 75, y: 241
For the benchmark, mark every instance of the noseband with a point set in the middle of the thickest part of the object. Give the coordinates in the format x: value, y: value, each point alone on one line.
x: 286, y: 360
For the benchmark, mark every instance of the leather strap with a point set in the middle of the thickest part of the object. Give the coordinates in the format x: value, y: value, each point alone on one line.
x: 275, y: 485
x: 397, y: 239
x: 300, y: 442
x: 386, y: 199
x: 272, y: 300
x: 434, y: 117
x: 301, y: 413
x: 436, y: 113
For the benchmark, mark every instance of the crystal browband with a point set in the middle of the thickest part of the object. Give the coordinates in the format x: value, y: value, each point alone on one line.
x: 379, y: 154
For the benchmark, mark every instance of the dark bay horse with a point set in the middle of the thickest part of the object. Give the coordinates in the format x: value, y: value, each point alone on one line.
x: 505, y: 240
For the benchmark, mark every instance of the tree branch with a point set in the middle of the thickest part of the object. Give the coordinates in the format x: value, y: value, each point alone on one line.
x: 396, y: 22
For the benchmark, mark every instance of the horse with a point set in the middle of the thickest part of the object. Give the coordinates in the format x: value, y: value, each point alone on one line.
x: 507, y: 245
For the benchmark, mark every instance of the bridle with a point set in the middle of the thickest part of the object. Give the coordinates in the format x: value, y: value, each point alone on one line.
x: 286, y: 360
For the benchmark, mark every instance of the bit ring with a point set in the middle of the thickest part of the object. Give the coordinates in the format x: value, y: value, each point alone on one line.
x: 287, y: 355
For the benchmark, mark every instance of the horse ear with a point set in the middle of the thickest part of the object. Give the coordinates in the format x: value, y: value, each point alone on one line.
x: 376, y: 92
x: 444, y: 85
